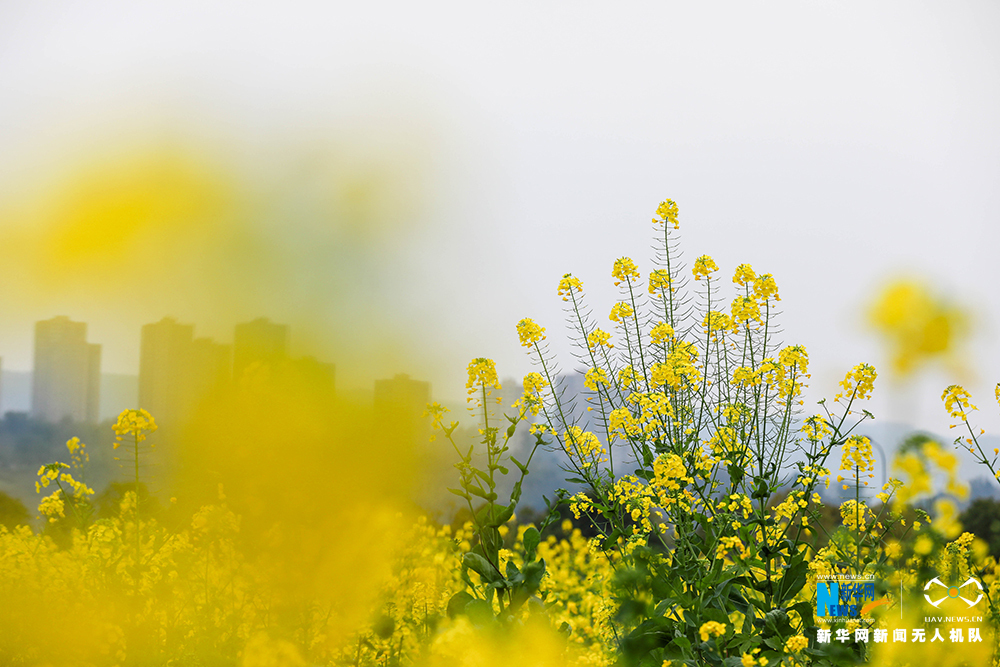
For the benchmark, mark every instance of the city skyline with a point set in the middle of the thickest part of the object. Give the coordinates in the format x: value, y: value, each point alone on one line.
x: 176, y: 369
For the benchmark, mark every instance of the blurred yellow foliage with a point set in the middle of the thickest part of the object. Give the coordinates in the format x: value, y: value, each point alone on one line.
x: 917, y: 326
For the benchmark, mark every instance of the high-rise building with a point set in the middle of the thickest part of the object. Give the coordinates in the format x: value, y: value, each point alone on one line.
x: 177, y: 370
x: 259, y: 342
x: 310, y: 372
x: 67, y: 375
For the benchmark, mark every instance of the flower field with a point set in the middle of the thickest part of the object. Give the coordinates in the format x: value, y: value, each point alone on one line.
x: 694, y: 531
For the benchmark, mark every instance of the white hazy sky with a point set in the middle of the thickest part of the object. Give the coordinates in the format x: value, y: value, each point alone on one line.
x: 832, y: 144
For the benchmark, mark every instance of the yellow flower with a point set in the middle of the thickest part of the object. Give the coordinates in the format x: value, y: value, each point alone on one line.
x: 955, y: 398
x: 659, y: 280
x: 795, y: 644
x: 529, y: 332
x: 620, y: 311
x: 667, y: 210
x: 136, y: 423
x: 794, y: 355
x: 661, y: 333
x: 859, y: 382
x: 744, y: 274
x: 815, y: 428
x: 593, y: 377
x: 482, y: 374
x: 624, y: 270
x: 711, y: 629
x: 703, y: 266
x: 583, y: 446
x: 857, y: 453
x: 598, y: 338
x: 534, y: 383
x: 765, y: 288
x: 717, y: 322
x: 567, y: 284
x: 745, y: 309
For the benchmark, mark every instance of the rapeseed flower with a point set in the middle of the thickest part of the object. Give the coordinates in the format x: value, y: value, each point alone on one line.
x: 703, y: 267
x: 624, y: 271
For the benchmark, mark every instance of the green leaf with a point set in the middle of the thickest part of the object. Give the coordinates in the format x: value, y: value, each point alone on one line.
x: 792, y: 581
x: 480, y: 612
x: 533, y: 573
x: 531, y: 539
x: 458, y: 603
x: 481, y: 566
x: 460, y: 493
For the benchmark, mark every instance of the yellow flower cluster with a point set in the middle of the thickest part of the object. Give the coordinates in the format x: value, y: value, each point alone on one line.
x: 624, y: 271
x: 745, y: 309
x: 667, y: 212
x: 659, y: 281
x: 678, y: 370
x: 620, y: 311
x: 482, y: 375
x: 135, y: 423
x: 703, y: 267
x: 711, y: 629
x: 583, y: 447
x: 796, y: 643
x: 661, y: 333
x: 529, y: 332
x: 727, y: 545
x: 857, y: 454
x: 744, y: 275
x: 858, y: 383
x: 567, y: 284
x: 956, y: 402
x: 622, y: 423
x: 669, y: 472
x: 764, y: 287
x: 534, y: 383
x: 594, y: 377
x: 917, y: 325
x: 717, y: 323
x: 815, y: 428
x: 627, y: 377
x: 598, y: 338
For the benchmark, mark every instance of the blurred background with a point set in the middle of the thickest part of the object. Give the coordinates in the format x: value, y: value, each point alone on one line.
x: 397, y: 184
